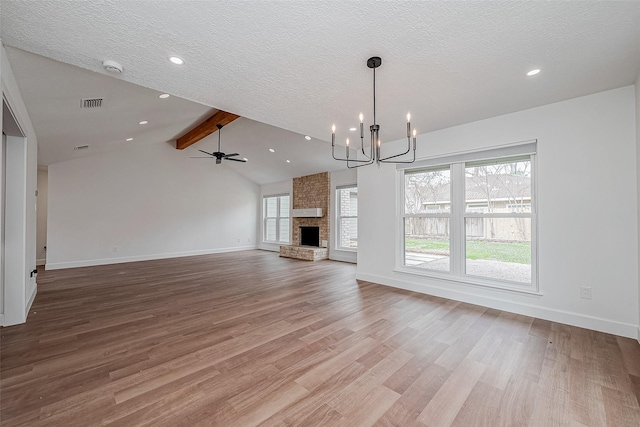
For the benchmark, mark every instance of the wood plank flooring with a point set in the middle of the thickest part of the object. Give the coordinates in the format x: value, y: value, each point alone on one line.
x: 248, y: 338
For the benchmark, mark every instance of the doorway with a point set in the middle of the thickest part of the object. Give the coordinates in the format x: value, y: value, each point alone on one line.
x: 13, y: 281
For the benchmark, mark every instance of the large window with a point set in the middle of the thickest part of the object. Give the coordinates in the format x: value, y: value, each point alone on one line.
x: 276, y: 218
x: 471, y: 220
x: 347, y: 221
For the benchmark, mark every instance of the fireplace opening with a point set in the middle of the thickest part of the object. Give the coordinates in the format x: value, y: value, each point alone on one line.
x: 310, y: 236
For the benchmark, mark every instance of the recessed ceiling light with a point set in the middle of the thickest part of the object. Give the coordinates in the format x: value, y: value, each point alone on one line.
x: 307, y: 137
x: 245, y: 159
x: 288, y: 161
x: 129, y: 139
x: 164, y: 95
x: 352, y: 129
x: 143, y: 122
x: 272, y: 150
x: 176, y: 60
x: 533, y: 72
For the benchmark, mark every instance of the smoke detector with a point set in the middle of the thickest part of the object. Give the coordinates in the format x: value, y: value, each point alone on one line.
x: 112, y: 66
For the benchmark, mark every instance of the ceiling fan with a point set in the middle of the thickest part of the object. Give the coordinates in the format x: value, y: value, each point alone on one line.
x: 218, y: 155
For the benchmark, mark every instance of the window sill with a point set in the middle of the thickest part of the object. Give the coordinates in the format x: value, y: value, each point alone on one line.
x: 473, y: 281
x: 354, y: 250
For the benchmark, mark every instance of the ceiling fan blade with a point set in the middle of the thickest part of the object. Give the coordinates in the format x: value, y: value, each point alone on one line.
x: 211, y: 154
x: 231, y: 155
x: 236, y: 160
x: 202, y: 157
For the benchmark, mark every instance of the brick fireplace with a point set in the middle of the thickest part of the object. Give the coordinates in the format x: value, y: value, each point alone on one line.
x: 310, y: 192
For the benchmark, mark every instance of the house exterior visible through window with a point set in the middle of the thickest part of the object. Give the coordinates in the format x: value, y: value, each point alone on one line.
x: 472, y: 219
x: 276, y: 218
x: 347, y: 218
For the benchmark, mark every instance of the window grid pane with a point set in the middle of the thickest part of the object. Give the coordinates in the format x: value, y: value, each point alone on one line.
x: 427, y: 243
x: 270, y: 229
x: 349, y: 233
x: 347, y: 209
x: 271, y: 207
x: 504, y: 257
x: 284, y: 229
x: 498, y: 187
x: 284, y: 206
x: 427, y: 191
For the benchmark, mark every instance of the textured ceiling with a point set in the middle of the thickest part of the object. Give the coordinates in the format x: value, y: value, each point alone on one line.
x: 52, y: 92
x: 300, y: 65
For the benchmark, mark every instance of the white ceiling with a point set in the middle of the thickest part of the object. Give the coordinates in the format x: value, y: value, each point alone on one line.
x: 53, y: 91
x: 300, y: 65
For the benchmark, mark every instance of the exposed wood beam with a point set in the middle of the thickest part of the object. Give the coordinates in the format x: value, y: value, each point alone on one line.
x: 205, y: 129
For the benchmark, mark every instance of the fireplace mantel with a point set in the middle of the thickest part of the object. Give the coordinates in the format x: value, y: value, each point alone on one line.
x: 307, y: 213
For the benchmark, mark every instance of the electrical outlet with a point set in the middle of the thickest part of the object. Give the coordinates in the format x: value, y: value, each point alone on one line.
x: 585, y: 292
x: 238, y: 240
x: 114, y: 249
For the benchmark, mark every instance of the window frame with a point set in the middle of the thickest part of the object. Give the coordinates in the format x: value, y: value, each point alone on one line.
x: 339, y: 218
x: 277, y: 218
x: 458, y: 216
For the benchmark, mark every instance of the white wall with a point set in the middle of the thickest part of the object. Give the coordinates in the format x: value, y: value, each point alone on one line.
x: 282, y: 187
x: 20, y: 290
x: 41, y: 222
x: 146, y: 202
x: 637, y: 88
x: 587, y: 212
x: 338, y: 178
x: 3, y: 179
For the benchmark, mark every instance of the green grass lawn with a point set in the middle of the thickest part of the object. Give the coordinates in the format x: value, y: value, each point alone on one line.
x: 477, y: 249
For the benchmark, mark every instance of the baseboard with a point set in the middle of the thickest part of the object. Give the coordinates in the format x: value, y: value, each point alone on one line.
x: 1, y: 319
x: 569, y: 318
x: 343, y: 256
x: 270, y: 247
x: 638, y: 336
x: 106, y: 261
x: 30, y: 302
x: 42, y: 261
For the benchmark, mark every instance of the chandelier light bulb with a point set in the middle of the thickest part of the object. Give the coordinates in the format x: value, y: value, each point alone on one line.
x: 361, y: 117
x: 333, y: 129
x: 347, y: 142
x: 408, y: 117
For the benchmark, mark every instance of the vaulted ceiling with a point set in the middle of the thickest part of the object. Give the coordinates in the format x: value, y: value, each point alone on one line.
x: 300, y: 66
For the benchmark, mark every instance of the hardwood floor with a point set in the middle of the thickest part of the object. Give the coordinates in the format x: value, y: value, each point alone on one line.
x: 249, y: 338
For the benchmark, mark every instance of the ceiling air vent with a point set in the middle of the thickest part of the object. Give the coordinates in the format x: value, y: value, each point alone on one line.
x: 81, y: 147
x: 91, y: 103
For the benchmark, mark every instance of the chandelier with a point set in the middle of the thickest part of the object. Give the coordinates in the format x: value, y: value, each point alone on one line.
x: 373, y: 155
